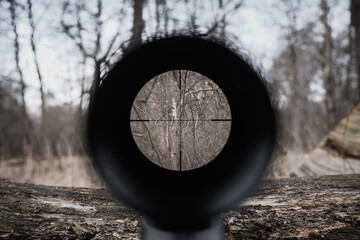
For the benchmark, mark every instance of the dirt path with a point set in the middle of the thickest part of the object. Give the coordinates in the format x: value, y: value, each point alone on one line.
x: 324, y: 207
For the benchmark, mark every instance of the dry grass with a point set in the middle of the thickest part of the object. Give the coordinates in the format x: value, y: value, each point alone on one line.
x: 286, y: 164
x: 66, y: 171
x: 318, y: 162
x: 77, y: 171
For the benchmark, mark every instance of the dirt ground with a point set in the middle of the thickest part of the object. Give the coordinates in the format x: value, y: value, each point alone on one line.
x: 307, y: 208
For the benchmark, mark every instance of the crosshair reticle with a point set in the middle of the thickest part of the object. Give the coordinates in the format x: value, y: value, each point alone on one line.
x: 180, y: 120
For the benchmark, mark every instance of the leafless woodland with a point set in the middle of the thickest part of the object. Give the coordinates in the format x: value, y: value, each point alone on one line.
x: 314, y: 70
x: 180, y: 120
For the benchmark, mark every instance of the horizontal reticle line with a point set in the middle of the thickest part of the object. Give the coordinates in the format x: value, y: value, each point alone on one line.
x: 182, y: 120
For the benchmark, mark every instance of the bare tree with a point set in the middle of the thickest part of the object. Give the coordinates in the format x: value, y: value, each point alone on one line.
x: 294, y: 87
x: 76, y: 31
x: 226, y: 8
x: 180, y: 120
x: 344, y: 72
x: 223, y: 11
x: 329, y: 80
x: 161, y: 12
x: 138, y: 22
x: 301, y: 115
x: 314, y: 78
x: 12, y: 133
x: 355, y: 23
x: 44, y: 135
x: 349, y: 51
x: 25, y: 118
x: 17, y: 50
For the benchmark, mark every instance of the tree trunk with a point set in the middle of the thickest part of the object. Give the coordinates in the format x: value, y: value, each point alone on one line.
x: 158, y: 14
x: 349, y: 67
x: 25, y: 118
x: 46, y: 151
x: 138, y: 22
x: 329, y: 80
x: 355, y: 21
x: 309, y: 208
x: 296, y: 104
x: 97, y: 78
x: 222, y: 20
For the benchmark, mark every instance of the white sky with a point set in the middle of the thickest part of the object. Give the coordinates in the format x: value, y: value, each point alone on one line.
x: 258, y: 35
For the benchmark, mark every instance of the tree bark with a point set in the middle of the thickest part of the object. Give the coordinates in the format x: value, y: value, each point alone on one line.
x: 97, y: 78
x: 329, y: 80
x: 222, y: 20
x: 138, y: 22
x: 355, y: 22
x: 46, y: 151
x: 25, y: 118
x: 309, y: 208
x: 349, y: 67
x: 337, y: 153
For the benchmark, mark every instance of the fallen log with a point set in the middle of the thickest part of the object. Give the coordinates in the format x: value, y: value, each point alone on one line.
x: 298, y: 208
x: 344, y: 139
x: 337, y: 153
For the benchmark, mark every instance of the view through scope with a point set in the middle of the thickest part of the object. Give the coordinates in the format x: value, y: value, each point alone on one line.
x: 180, y: 120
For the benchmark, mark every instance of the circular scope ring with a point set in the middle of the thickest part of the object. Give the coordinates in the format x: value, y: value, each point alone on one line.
x: 194, y: 194
x: 180, y: 120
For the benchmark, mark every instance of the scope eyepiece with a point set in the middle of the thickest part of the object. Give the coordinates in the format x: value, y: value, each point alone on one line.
x: 182, y: 204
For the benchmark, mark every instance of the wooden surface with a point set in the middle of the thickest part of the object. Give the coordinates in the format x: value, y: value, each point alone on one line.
x: 345, y: 137
x: 337, y: 153
x: 177, y: 120
x: 310, y: 208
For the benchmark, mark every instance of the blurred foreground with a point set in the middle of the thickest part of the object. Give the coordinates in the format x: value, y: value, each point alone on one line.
x: 312, y: 208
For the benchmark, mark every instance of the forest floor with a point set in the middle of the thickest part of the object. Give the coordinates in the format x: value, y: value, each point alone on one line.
x: 297, y: 208
x: 76, y: 171
x: 72, y: 171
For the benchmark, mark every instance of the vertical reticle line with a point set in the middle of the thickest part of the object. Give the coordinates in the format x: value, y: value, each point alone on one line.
x: 180, y: 99
x: 180, y: 120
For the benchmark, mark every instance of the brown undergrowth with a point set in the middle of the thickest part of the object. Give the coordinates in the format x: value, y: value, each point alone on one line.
x: 72, y: 171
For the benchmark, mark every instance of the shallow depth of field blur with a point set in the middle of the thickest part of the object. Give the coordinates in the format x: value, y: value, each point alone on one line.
x: 54, y: 53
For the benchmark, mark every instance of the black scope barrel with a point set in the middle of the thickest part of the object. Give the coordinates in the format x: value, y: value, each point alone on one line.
x: 186, y: 204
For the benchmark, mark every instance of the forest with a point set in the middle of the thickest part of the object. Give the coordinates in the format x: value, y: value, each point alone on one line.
x: 54, y: 54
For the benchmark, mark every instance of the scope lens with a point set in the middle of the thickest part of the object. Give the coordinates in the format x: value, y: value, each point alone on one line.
x: 180, y: 120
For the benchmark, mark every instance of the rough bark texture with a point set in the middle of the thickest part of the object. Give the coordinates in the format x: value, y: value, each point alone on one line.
x: 180, y: 120
x: 309, y: 208
x: 345, y: 137
x: 355, y: 22
x: 138, y: 22
x: 329, y: 80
